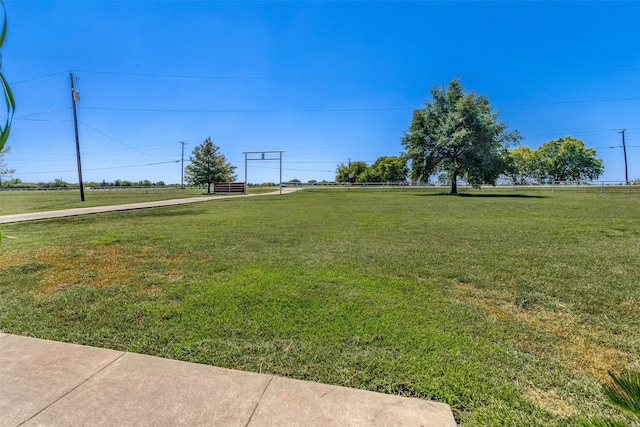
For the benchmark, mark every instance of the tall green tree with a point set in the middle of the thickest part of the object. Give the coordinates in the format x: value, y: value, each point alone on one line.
x: 567, y: 159
x: 523, y: 166
x: 351, y: 171
x: 458, y: 134
x: 208, y: 166
x: 386, y: 169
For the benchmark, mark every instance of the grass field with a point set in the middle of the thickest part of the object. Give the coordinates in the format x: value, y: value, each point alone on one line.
x: 509, y: 307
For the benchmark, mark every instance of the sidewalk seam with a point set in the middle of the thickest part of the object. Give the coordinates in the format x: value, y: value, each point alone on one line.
x: 259, y: 401
x: 72, y: 389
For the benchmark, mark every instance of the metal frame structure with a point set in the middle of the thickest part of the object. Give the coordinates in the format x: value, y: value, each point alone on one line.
x: 264, y: 155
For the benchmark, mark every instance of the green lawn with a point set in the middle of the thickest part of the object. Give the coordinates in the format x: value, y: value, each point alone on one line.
x: 510, y: 307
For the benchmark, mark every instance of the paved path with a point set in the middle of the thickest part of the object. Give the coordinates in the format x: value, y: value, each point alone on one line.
x: 5, y: 219
x: 47, y: 383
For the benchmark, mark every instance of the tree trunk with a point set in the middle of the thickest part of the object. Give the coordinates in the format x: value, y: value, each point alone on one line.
x: 208, y: 188
x: 454, y: 183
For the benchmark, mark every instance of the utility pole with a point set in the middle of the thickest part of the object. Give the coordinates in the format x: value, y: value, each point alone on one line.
x: 75, y: 96
x: 182, y: 174
x: 624, y: 150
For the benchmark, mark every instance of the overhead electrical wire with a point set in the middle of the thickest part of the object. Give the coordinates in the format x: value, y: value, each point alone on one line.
x: 333, y: 110
x: 99, y: 169
x: 119, y: 142
x: 423, y: 77
x: 37, y: 78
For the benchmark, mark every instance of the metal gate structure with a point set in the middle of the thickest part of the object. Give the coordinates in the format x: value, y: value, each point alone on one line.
x: 263, y: 155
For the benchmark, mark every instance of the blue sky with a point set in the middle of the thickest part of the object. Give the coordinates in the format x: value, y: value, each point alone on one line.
x: 325, y: 81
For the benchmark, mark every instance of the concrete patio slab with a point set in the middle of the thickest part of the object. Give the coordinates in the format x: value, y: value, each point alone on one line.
x: 35, y: 374
x: 289, y: 402
x: 144, y: 390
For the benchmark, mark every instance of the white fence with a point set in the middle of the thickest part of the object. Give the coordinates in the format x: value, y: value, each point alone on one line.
x: 595, y: 186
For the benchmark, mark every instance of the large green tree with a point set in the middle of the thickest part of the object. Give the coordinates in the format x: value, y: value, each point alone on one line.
x: 523, y: 167
x: 460, y: 135
x: 351, y: 171
x: 567, y: 159
x: 208, y: 166
x: 386, y: 169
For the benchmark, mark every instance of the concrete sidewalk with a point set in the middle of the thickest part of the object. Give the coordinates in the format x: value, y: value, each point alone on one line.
x: 6, y: 219
x: 47, y: 383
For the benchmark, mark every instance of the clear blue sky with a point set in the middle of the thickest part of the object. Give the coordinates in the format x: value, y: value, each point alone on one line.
x: 324, y: 81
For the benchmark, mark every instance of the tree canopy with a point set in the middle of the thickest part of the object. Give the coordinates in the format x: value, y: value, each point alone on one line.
x: 208, y: 166
x: 522, y: 165
x: 386, y: 169
x: 460, y: 135
x: 355, y: 169
x: 567, y: 159
x: 563, y: 159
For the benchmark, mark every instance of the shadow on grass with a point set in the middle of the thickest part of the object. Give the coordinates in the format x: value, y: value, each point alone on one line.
x: 522, y: 196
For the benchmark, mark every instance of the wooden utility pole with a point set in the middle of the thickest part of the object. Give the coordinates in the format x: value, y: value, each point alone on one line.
x: 182, y: 174
x: 624, y: 150
x: 75, y: 96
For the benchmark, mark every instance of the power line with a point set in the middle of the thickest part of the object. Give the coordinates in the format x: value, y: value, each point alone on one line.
x: 99, y: 169
x: 417, y: 77
x: 300, y: 110
x: 20, y: 116
x: 120, y: 142
x: 37, y: 78
x: 336, y: 110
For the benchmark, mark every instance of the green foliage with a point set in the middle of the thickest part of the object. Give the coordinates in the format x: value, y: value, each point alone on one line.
x: 624, y: 393
x: 563, y: 159
x: 522, y: 165
x: 9, y: 100
x: 386, y: 169
x: 208, y: 166
x: 458, y: 134
x: 567, y: 159
x: 355, y: 169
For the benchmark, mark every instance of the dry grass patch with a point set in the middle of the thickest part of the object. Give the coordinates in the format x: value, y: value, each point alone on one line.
x: 577, y: 346
x: 550, y: 401
x: 61, y: 267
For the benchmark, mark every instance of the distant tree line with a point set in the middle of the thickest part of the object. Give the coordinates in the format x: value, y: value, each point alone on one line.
x: 385, y: 169
x: 61, y: 184
x: 563, y: 159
